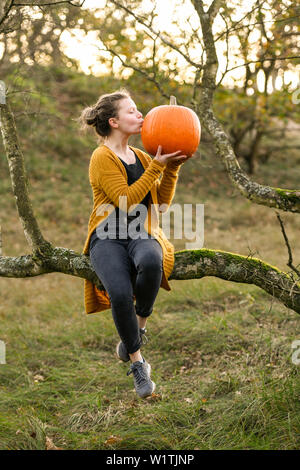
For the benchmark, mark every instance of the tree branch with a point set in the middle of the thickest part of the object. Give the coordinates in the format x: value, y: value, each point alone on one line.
x: 227, y: 51
x: 234, y: 29
x: 33, y: 4
x: 196, y: 264
x: 136, y: 69
x: 214, y: 9
x: 5, y: 11
x: 271, y: 59
x: 19, y: 181
x: 290, y: 261
x: 189, y: 264
x: 163, y: 38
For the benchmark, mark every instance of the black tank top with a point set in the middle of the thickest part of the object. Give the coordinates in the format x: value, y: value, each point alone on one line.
x: 134, y: 172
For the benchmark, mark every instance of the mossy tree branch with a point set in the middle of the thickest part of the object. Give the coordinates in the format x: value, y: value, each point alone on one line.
x: 189, y: 264
x: 196, y: 264
x: 20, y: 183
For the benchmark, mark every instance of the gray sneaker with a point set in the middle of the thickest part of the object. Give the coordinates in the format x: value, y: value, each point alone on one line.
x: 121, y: 349
x: 141, y: 377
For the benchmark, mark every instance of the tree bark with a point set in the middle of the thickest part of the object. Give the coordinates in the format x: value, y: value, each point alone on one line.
x: 19, y: 182
x: 189, y: 264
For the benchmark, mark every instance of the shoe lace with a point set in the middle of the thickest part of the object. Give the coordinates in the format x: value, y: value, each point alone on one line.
x: 138, y: 372
x: 143, y: 336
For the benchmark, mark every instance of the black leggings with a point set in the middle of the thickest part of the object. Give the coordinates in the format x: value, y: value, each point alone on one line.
x: 126, y: 267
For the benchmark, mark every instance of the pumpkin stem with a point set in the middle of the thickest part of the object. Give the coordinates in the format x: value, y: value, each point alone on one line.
x: 173, y: 101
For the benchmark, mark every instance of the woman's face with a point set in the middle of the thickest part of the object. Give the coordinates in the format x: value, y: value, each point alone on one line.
x: 129, y: 120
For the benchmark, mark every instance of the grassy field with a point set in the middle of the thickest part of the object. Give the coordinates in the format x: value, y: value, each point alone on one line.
x: 220, y: 351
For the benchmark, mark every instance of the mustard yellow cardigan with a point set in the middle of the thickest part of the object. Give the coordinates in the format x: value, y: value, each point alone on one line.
x: 108, y: 179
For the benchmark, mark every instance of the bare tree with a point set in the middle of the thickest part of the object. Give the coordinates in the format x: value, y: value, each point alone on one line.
x: 30, y: 32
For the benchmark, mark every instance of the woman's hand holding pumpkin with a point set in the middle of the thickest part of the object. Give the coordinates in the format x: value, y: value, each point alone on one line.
x: 174, y: 158
x: 180, y: 161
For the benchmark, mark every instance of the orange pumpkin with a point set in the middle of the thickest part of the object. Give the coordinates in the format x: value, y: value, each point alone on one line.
x: 173, y: 127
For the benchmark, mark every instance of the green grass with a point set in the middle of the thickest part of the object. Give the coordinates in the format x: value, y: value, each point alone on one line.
x: 220, y: 352
x: 222, y: 366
